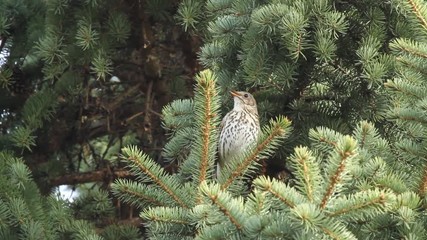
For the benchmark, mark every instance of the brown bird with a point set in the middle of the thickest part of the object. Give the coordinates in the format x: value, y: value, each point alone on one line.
x: 239, y: 128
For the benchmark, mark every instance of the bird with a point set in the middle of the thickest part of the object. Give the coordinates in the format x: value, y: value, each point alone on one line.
x: 240, y: 128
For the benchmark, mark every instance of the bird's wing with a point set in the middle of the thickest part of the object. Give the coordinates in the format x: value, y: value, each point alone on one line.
x: 220, y: 161
x: 221, y: 125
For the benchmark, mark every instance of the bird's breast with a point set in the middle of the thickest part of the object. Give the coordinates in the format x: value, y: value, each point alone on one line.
x: 240, y: 130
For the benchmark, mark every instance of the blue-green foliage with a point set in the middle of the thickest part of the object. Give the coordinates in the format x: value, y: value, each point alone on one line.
x: 361, y: 172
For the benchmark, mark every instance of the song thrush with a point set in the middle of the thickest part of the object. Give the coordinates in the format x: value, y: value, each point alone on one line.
x: 239, y: 128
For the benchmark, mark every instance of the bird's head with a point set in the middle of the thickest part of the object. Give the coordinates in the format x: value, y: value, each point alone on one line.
x: 244, y: 100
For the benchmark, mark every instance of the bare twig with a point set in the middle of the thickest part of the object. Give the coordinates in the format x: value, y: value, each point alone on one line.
x: 86, y: 177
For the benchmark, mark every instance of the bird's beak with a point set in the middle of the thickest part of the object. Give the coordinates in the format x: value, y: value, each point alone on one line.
x: 234, y: 94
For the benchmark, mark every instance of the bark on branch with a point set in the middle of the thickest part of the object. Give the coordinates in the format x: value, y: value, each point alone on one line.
x: 94, y: 176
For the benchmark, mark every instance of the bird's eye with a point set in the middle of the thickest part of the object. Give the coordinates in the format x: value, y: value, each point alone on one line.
x: 246, y: 95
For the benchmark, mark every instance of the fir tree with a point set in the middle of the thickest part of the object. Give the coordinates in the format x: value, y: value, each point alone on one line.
x: 340, y: 87
x: 408, y: 95
x: 323, y: 64
x: 78, y: 81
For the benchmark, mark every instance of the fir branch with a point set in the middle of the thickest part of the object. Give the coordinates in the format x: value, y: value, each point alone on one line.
x: 407, y: 63
x: 119, y: 27
x: 218, y: 231
x: 80, y: 229
x: 266, y: 18
x: 19, y: 174
x: 87, y: 37
x: 217, y: 8
x: 405, y: 88
x: 86, y: 177
x: 418, y: 13
x: 164, y: 215
x: 180, y: 145
x: 285, y: 194
x: 50, y: 48
x: 256, y: 64
x: 370, y: 202
x: 19, y: 211
x: 409, y: 47
x: 4, y: 214
x: 365, y: 130
x: 178, y: 115
x: 143, y: 167
x: 281, y: 227
x: 137, y: 194
x: 272, y: 134
x: 344, y: 235
x: 189, y: 12
x: 408, y: 199
x: 40, y: 107
x: 213, y: 54
x: 408, y: 115
x: 312, y: 217
x: 307, y: 172
x: 422, y: 190
x: 206, y: 108
x: 230, y: 207
x: 393, y: 182
x: 57, y: 7
x: 23, y: 137
x: 327, y: 141
x: 6, y: 80
x: 102, y: 65
x: 228, y: 29
x: 257, y: 203
x: 325, y: 48
x: 324, y: 139
x: 168, y: 223
x: 345, y: 151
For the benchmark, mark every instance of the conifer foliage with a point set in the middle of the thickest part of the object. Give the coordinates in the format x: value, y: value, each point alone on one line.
x: 313, y: 60
x: 26, y: 214
x: 324, y: 63
x: 343, y: 188
x: 191, y: 201
x: 78, y: 81
x: 408, y: 95
x: 340, y: 86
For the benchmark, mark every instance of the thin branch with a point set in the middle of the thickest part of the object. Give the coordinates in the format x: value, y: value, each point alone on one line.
x: 423, y: 184
x: 380, y: 199
x: 418, y: 14
x: 158, y: 181
x: 277, y: 131
x: 206, y: 130
x: 156, y: 113
x: 147, y: 117
x: 2, y: 42
x: 136, y: 221
x: 307, y: 180
x: 118, y: 100
x: 335, y: 179
x: 127, y: 120
x: 140, y: 196
x: 282, y: 199
x: 86, y: 177
x: 226, y: 212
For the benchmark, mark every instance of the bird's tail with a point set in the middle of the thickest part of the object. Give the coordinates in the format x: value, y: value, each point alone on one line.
x: 218, y: 170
